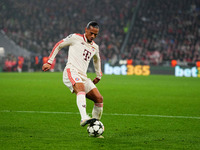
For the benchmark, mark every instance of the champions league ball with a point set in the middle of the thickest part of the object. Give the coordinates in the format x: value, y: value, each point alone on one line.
x: 95, y: 129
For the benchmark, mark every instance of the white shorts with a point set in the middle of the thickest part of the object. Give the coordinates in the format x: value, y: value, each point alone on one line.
x: 71, y: 77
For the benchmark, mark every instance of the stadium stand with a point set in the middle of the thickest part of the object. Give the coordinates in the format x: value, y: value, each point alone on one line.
x: 12, y: 47
x: 162, y: 30
x: 166, y: 30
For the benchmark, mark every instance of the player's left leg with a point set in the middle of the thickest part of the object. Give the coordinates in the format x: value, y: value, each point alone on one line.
x: 95, y: 96
x: 74, y: 82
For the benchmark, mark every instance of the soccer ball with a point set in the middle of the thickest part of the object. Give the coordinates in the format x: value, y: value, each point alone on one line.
x: 95, y: 129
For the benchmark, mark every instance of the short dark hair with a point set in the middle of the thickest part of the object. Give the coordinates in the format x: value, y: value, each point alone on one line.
x: 93, y: 24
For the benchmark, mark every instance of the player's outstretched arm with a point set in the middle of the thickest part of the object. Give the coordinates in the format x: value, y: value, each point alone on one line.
x: 46, y: 67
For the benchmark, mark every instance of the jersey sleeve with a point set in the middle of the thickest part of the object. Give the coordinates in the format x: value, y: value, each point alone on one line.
x: 97, y: 64
x: 58, y: 46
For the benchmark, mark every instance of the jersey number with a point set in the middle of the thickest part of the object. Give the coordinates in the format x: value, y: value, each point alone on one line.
x: 86, y: 55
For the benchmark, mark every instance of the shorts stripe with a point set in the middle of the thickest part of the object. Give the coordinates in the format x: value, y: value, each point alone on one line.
x: 70, y: 76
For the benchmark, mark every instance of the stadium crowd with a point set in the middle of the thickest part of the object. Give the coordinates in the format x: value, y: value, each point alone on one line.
x: 166, y: 30
x: 162, y: 30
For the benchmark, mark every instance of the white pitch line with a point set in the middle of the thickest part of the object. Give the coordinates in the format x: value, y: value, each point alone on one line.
x: 160, y: 116
x: 115, y: 114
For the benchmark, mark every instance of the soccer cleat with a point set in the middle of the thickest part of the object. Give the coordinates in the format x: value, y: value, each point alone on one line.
x: 87, y: 121
x: 100, y: 137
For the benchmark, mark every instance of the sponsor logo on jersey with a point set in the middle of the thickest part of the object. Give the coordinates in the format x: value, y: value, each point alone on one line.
x: 86, y: 55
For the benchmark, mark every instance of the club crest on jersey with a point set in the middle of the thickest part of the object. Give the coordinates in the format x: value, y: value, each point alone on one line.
x: 77, y: 79
x: 93, y: 49
x: 82, y: 43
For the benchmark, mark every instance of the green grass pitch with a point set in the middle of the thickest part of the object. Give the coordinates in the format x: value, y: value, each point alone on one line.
x: 155, y: 112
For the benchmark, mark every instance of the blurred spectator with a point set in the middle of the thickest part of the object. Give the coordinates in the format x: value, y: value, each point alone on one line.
x: 10, y: 63
x: 20, y: 63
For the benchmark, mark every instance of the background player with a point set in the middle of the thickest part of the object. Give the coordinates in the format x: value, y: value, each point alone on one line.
x: 81, y: 49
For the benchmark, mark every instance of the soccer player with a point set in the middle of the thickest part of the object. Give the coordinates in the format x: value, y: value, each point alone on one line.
x: 81, y: 49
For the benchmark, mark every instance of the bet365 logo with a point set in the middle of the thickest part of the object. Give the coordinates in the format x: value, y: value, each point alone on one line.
x: 187, y: 72
x: 127, y: 70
